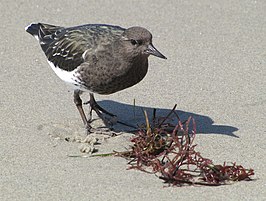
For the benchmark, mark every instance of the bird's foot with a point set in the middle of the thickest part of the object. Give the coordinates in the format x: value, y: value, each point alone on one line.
x: 104, y: 123
x: 103, y: 131
x: 109, y: 119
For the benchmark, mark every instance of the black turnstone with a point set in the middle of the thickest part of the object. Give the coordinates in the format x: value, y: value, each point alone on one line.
x: 97, y: 58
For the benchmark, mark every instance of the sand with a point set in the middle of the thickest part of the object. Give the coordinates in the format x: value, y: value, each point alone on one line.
x: 215, y: 71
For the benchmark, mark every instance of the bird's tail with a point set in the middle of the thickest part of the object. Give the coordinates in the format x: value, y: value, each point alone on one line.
x: 40, y: 30
x: 33, y: 29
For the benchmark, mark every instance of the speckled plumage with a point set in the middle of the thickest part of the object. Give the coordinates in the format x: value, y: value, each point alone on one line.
x: 65, y: 46
x: 97, y: 58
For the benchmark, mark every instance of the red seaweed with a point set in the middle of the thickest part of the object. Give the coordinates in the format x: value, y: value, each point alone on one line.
x: 168, y: 151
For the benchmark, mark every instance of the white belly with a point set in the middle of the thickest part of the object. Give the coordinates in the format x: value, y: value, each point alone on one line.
x: 70, y: 77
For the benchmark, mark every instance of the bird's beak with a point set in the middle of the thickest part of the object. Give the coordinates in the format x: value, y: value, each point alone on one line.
x: 152, y: 50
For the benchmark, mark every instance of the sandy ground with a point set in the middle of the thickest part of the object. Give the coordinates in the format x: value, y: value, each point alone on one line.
x: 215, y: 71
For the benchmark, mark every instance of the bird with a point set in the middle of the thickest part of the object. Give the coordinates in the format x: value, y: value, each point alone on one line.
x: 96, y: 58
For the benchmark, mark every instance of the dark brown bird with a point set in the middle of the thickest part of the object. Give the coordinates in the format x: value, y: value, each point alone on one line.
x: 97, y: 58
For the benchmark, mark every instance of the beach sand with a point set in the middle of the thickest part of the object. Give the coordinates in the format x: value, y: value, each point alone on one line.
x: 215, y: 71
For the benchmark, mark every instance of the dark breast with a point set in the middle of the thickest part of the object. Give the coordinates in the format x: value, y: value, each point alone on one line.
x: 108, y: 75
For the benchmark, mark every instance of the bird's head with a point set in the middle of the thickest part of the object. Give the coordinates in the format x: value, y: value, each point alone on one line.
x: 138, y: 41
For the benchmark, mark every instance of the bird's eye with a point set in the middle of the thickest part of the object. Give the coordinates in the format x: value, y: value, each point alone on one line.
x: 133, y: 42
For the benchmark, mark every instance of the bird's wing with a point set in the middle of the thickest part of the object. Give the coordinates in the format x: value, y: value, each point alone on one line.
x: 65, y: 46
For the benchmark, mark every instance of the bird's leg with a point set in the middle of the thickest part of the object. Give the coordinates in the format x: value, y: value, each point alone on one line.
x: 90, y: 113
x: 99, y: 110
x: 95, y: 106
x: 78, y: 102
